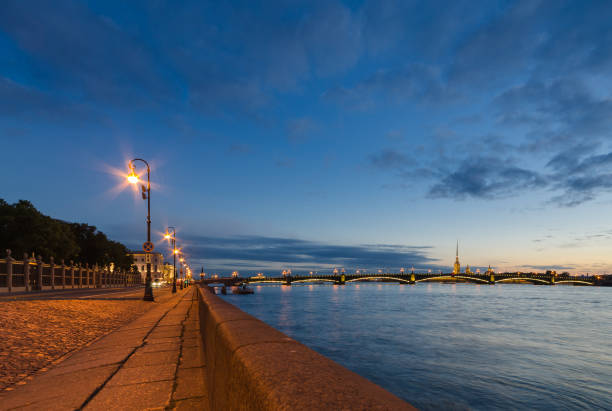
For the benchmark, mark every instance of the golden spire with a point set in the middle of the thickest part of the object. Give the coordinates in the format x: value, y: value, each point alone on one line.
x: 457, y: 266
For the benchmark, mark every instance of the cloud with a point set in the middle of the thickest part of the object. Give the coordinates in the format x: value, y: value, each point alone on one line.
x: 237, y: 148
x: 485, y: 178
x: 300, y: 129
x: 214, y: 58
x: 562, y: 112
x: 412, y: 82
x: 23, y: 102
x: 83, y: 52
x: 284, y: 163
x: 389, y: 159
x: 254, y: 252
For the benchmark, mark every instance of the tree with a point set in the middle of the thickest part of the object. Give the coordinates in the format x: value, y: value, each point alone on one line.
x: 23, y: 229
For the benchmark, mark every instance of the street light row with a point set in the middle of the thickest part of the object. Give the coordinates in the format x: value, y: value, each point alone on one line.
x: 133, y: 178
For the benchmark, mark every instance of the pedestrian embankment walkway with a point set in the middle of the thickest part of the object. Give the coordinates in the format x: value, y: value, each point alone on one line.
x: 195, y: 351
x: 153, y: 362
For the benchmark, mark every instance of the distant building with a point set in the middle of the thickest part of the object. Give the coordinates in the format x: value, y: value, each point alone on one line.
x: 457, y: 266
x: 157, y: 264
x: 168, y: 272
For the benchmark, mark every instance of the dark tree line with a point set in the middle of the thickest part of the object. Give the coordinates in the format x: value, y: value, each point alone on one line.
x: 24, y: 229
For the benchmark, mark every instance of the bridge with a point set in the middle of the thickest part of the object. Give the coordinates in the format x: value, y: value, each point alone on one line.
x: 413, y: 278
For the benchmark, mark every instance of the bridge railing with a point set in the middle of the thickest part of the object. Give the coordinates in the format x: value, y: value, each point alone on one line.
x: 33, y: 274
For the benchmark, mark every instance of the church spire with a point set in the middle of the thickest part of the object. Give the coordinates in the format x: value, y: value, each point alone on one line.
x: 457, y: 266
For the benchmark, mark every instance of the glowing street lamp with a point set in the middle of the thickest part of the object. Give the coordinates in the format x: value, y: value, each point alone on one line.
x: 146, y: 195
x: 183, y: 269
x: 174, y: 253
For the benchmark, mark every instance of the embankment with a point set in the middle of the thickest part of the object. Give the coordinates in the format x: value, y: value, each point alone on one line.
x: 251, y: 365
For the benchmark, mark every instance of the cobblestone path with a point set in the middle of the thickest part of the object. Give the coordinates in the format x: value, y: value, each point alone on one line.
x: 34, y: 334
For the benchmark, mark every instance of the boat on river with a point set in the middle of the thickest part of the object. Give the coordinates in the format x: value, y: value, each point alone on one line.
x: 243, y: 289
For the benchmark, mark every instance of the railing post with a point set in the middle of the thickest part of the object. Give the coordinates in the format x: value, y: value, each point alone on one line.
x: 26, y: 272
x: 52, y: 264
x: 72, y: 273
x: 39, y: 264
x: 9, y: 271
x: 87, y: 274
x: 80, y: 275
x: 94, y: 272
x: 63, y: 274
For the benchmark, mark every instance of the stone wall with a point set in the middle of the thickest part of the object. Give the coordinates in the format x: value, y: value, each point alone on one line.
x: 253, y: 366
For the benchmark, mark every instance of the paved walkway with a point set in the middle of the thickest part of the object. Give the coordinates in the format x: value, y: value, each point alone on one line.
x: 155, y: 362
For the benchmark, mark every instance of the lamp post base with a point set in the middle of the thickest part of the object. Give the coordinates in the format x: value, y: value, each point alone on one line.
x: 148, y: 295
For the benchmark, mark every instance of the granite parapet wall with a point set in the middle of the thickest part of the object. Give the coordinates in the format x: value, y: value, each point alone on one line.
x: 252, y: 366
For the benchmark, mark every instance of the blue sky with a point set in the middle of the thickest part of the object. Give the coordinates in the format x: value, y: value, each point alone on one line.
x: 309, y: 135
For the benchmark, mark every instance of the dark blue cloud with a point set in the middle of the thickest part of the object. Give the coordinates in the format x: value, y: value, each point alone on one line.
x: 390, y: 159
x: 256, y: 252
x: 485, y: 178
x: 414, y: 82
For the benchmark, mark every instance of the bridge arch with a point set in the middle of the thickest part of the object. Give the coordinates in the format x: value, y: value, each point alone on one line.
x: 574, y: 282
x: 453, y: 277
x: 266, y: 282
x: 377, y: 278
x: 313, y: 280
x: 522, y: 279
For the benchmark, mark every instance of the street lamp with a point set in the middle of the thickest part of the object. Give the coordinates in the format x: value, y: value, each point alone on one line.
x: 182, y: 261
x: 146, y: 195
x: 174, y: 252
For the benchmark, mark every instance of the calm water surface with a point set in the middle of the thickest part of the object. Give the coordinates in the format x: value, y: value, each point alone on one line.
x: 457, y: 346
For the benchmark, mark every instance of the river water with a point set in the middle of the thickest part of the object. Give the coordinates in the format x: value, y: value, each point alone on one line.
x: 456, y: 346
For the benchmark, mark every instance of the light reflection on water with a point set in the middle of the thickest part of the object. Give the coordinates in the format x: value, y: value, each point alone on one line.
x: 459, y: 346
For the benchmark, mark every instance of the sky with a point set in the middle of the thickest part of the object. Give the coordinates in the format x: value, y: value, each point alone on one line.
x: 309, y: 135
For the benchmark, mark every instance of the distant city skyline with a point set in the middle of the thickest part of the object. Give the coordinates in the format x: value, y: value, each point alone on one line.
x: 319, y: 134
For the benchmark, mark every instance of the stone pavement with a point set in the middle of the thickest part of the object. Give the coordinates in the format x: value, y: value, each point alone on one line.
x: 40, y: 331
x: 154, y: 362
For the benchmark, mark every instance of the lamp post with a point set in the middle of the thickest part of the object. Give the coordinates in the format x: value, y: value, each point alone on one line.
x: 182, y: 260
x: 146, y: 195
x: 174, y: 252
